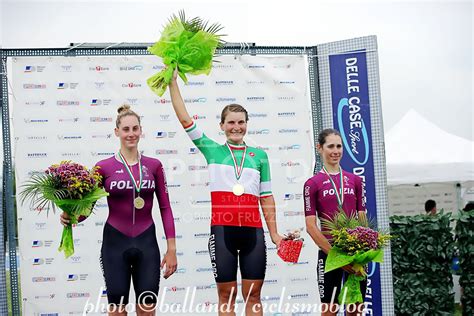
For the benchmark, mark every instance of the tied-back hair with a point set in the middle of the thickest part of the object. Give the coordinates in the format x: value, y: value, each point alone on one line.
x: 233, y: 108
x: 325, y: 133
x: 125, y: 110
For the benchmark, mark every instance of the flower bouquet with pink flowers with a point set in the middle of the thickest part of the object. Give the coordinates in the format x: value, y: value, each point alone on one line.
x: 71, y: 187
x: 354, y: 243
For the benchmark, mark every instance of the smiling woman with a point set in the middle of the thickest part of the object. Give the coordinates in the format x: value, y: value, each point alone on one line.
x: 129, y: 244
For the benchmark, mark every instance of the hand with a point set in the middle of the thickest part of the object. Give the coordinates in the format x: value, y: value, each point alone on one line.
x: 350, y: 269
x: 171, y: 263
x: 276, y: 239
x: 64, y: 219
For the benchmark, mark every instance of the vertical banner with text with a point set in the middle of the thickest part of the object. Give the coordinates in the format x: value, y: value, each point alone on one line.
x: 351, y: 116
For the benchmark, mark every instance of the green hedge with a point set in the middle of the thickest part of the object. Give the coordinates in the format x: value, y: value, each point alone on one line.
x: 422, y: 252
x: 465, y: 244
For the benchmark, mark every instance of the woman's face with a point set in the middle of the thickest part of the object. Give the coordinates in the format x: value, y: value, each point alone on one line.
x: 129, y: 132
x: 234, y: 127
x: 331, y: 151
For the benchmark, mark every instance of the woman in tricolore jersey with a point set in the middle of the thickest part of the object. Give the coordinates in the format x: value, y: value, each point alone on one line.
x: 239, y: 183
x: 328, y: 190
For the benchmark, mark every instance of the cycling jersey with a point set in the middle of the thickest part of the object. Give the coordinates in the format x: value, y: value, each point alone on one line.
x: 229, y: 209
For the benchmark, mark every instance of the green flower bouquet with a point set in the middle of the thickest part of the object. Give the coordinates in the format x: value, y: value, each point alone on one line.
x: 354, y: 243
x: 188, y: 45
x: 71, y: 187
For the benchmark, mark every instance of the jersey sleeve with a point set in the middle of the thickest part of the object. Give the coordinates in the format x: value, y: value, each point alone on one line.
x: 202, y: 142
x: 360, y: 194
x: 161, y: 192
x: 265, y: 177
x: 310, y: 194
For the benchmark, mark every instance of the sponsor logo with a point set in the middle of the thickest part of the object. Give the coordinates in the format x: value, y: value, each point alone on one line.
x: 133, y: 101
x: 67, y: 103
x: 286, y: 114
x: 158, y: 67
x: 255, y: 82
x: 165, y: 117
x: 290, y: 147
x: 66, y: 68
x: 99, y: 68
x: 95, y: 153
x: 131, y: 85
x: 78, y: 294
x: 290, y: 164
x: 47, y: 296
x: 174, y: 185
x: 40, y: 226
x: 200, y: 184
x: 69, y: 137
x: 285, y: 66
x: 34, y: 68
x: 36, y: 120
x: 284, y: 82
x: 131, y: 68
x: 298, y: 296
x: 290, y: 196
x: 70, y: 155
x: 255, y: 99
x: 97, y: 102
x: 202, y: 252
x: 226, y: 99
x: 202, y: 235
x: 162, y: 101
x: 37, y: 138
x: 43, y: 279
x: 195, y: 83
x: 254, y: 66
x: 288, y: 130
x: 175, y: 289
x: 68, y: 120
x: 102, y: 136
x: 196, y: 100
x: 40, y: 261
x: 67, y: 85
x: 224, y: 82
x: 98, y: 119
x: 193, y: 150
x: 259, y: 132
x: 200, y: 202
x: 36, y: 155
x: 199, y: 117
x: 35, y: 103
x: 34, y: 86
x: 257, y: 115
x: 264, y: 148
x: 222, y: 66
x: 286, y: 98
x: 354, y: 134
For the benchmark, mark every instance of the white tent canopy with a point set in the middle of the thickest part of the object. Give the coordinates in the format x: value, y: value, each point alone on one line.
x: 418, y: 151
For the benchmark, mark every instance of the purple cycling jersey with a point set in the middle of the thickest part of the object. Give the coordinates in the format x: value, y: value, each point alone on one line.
x: 118, y: 184
x: 320, y: 197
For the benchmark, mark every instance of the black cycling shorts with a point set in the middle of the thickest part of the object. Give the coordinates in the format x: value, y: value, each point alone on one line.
x: 124, y: 258
x: 230, y: 246
x: 329, y: 284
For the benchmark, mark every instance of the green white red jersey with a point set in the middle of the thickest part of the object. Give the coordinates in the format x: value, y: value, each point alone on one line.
x: 229, y: 209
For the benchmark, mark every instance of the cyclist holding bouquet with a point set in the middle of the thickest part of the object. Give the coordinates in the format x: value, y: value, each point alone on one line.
x: 328, y: 191
x: 129, y: 245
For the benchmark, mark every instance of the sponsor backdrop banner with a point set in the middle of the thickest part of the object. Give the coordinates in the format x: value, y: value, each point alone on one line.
x: 64, y: 108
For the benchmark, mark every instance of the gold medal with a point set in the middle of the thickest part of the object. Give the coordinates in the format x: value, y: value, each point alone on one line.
x: 139, y: 202
x: 238, y: 189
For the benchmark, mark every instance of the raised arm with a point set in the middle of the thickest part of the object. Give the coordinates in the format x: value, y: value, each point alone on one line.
x: 178, y: 103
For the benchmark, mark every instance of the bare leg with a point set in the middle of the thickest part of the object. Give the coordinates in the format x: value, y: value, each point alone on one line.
x: 227, y: 292
x: 251, y: 291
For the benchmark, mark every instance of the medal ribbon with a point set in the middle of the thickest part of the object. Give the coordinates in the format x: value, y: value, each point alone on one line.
x: 340, y: 194
x: 129, y: 170
x: 237, y: 169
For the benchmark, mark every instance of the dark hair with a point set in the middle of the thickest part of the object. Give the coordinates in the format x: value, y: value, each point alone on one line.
x: 469, y: 206
x: 429, y: 205
x: 233, y: 108
x: 325, y: 133
x: 124, y: 110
